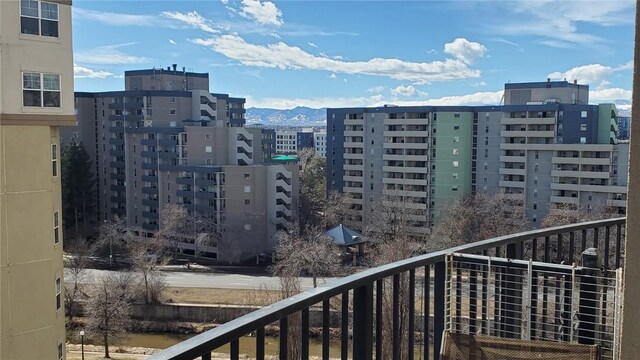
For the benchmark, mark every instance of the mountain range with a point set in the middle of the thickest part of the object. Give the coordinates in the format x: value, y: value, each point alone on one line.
x: 306, y: 116
x: 299, y: 116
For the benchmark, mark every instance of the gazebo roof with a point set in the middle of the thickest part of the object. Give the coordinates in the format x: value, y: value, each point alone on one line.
x: 343, y: 236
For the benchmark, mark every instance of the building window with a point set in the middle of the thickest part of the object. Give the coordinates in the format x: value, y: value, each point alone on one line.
x: 56, y: 227
x: 535, y: 206
x: 247, y: 201
x: 38, y: 18
x: 456, y: 139
x: 40, y: 90
x: 247, y: 227
x: 208, y: 149
x: 172, y: 112
x: 456, y: 115
x: 535, y: 167
x: 247, y: 176
x: 456, y: 152
x: 456, y: 127
x: 456, y: 163
x: 455, y: 175
x: 583, y: 127
x: 58, y: 294
x: 54, y: 160
x: 583, y: 140
x: 207, y: 136
x: 583, y: 114
x: 247, y: 189
x: 172, y: 99
x: 454, y: 188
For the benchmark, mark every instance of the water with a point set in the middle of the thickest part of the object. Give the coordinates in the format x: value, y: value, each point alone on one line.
x: 247, y: 343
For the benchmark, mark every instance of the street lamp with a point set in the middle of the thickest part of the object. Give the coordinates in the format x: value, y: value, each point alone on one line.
x: 82, y: 343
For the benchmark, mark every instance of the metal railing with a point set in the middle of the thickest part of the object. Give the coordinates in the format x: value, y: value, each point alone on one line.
x: 530, y: 300
x: 375, y: 319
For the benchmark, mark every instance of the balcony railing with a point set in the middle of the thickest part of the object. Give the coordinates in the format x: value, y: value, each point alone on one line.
x: 391, y: 287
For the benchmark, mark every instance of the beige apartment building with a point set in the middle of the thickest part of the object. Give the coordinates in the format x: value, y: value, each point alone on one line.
x: 36, y: 98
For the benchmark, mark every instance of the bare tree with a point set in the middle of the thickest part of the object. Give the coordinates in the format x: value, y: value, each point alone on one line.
x: 334, y: 209
x: 564, y: 214
x: 109, y: 305
x: 242, y: 238
x: 112, y: 237
x: 176, y: 226
x: 476, y: 218
x: 306, y: 251
x: 76, y: 263
x: 147, y: 256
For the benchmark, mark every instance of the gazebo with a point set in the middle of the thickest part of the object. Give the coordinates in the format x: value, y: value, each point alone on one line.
x: 350, y: 239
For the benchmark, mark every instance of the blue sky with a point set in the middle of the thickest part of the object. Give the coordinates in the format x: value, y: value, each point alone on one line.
x: 283, y: 54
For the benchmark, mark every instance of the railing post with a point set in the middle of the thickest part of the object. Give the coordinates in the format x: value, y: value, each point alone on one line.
x: 512, y: 304
x: 589, y: 293
x: 438, y: 306
x: 363, y: 322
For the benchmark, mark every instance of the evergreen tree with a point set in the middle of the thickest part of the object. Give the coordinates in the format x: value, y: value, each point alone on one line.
x: 78, y: 189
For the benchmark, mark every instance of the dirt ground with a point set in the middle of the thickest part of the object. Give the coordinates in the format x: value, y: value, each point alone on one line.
x: 221, y: 296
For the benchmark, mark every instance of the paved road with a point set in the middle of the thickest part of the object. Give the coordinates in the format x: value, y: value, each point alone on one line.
x: 218, y: 280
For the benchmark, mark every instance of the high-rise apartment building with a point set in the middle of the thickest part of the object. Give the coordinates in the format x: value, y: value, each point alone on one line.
x: 166, y: 139
x: 546, y: 147
x: 36, y: 99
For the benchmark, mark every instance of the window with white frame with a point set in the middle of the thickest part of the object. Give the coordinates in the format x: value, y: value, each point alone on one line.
x: 40, y: 89
x: 39, y: 18
x: 56, y: 227
x: 54, y: 160
x: 58, y: 294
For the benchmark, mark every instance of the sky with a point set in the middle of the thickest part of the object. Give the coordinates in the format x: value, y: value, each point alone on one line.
x: 283, y: 54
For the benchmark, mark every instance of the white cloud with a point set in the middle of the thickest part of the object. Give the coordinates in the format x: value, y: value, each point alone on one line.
x: 465, y: 50
x: 115, y: 19
x: 432, y: 51
x: 345, y: 80
x: 333, y: 76
x: 225, y: 2
x: 609, y: 95
x: 559, y: 23
x: 409, y: 90
x: 283, y: 56
x: 312, y: 44
x: 172, y: 42
x: 594, y: 74
x: 263, y: 12
x: 587, y: 74
x: 479, y: 83
x: 191, y: 19
x: 110, y: 55
x: 338, y: 57
x: 480, y: 98
x: 80, y: 72
x: 376, y: 89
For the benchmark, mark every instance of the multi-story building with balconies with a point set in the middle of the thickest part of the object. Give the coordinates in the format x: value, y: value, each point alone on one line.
x: 166, y: 139
x: 545, y: 147
x: 36, y: 99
